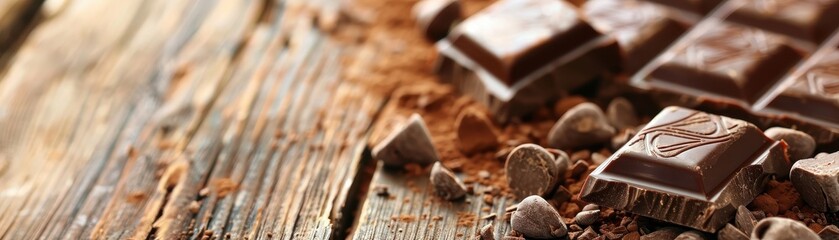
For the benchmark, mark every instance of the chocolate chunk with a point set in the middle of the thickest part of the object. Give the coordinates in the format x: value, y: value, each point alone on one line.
x: 591, y: 206
x: 775, y: 228
x: 583, y: 125
x: 693, y: 6
x: 562, y: 160
x: 800, y: 144
x: 744, y: 220
x: 588, y: 217
x: 535, y: 218
x: 829, y: 233
x: 381, y: 191
x: 621, y: 114
x: 642, y: 30
x: 687, y: 158
x: 445, y: 183
x: 733, y: 62
x: 578, y: 169
x: 807, y: 20
x: 410, y: 143
x: 487, y: 232
x: 531, y: 170
x: 588, y: 234
x: 475, y: 131
x: 663, y: 233
x: 512, y: 39
x: 692, y: 235
x: 730, y: 232
x: 817, y: 180
x: 436, y: 17
x: 814, y: 95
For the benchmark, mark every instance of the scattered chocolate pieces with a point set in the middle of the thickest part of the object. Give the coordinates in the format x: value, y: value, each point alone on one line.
x: 446, y: 184
x: 531, y: 170
x: 487, y: 232
x: 621, y: 114
x: 583, y: 125
x: 817, y: 180
x: 687, y: 158
x: 663, y: 233
x: 691, y: 235
x: 381, y: 191
x: 744, y: 220
x: 588, y: 234
x: 587, y: 217
x: 829, y: 233
x: 411, y: 143
x: 475, y: 131
x: 775, y: 228
x: 800, y: 144
x: 535, y: 218
x: 729, y: 232
x: 578, y: 169
x: 436, y: 17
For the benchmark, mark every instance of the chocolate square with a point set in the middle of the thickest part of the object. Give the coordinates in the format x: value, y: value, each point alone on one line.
x: 813, y: 96
x: 811, y: 20
x: 688, y: 167
x: 513, y: 38
x: 728, y: 61
x: 694, y: 6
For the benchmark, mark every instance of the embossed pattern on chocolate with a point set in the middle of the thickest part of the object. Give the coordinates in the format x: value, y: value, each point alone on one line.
x: 817, y: 89
x: 688, y: 167
x: 811, y: 20
x: 730, y: 61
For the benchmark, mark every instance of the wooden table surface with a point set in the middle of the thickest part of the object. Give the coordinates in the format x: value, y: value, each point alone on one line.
x: 197, y: 119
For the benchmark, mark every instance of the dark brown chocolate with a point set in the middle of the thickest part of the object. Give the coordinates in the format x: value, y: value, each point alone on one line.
x: 436, y: 17
x: 811, y: 20
x: 693, y: 6
x: 642, y: 29
x: 728, y: 61
x: 688, y: 167
x: 813, y: 96
x: 513, y: 38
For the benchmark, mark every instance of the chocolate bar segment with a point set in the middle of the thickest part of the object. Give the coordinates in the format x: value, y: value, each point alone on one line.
x: 726, y: 60
x: 695, y: 6
x: 811, y: 20
x: 513, y: 38
x: 642, y: 29
x: 436, y: 17
x: 688, y: 167
x: 815, y: 94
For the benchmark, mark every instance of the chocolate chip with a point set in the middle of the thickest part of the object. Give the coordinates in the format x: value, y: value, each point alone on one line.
x: 588, y: 217
x: 487, y: 232
x: 692, y: 235
x: 531, y: 170
x: 829, y: 233
x: 663, y: 233
x: 381, y: 191
x: 583, y: 125
x: 744, y: 220
x: 410, y: 143
x: 621, y: 114
x: 817, y: 180
x: 535, y: 218
x: 475, y: 131
x: 446, y: 184
x: 776, y: 228
x: 800, y: 145
x: 436, y: 17
x: 562, y: 162
x: 729, y: 232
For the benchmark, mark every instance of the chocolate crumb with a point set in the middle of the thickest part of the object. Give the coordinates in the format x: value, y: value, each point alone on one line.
x: 411, y: 143
x: 381, y: 191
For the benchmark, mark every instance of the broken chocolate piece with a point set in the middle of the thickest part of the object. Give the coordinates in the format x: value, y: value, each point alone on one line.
x: 688, y: 158
x: 829, y: 233
x: 692, y: 235
x: 588, y: 234
x: 583, y: 125
x: 410, y: 143
x: 643, y: 30
x: 808, y: 20
x: 587, y: 217
x: 531, y: 170
x: 445, y: 183
x: 487, y: 232
x: 535, y: 218
x: 475, y: 131
x: 436, y: 17
x: 729, y: 232
x: 817, y: 180
x: 775, y: 228
x: 800, y: 144
x: 663, y: 233
x: 513, y: 38
x: 744, y: 220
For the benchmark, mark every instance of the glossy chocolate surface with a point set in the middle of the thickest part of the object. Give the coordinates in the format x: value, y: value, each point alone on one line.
x: 811, y: 20
x: 512, y: 38
x: 688, y: 167
x: 694, y: 6
x: 815, y: 94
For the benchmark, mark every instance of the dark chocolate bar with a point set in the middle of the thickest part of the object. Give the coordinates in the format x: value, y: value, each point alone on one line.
x: 811, y: 20
x: 814, y: 95
x: 694, y: 6
x: 512, y: 39
x: 642, y: 29
x: 688, y: 167
x: 728, y: 61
